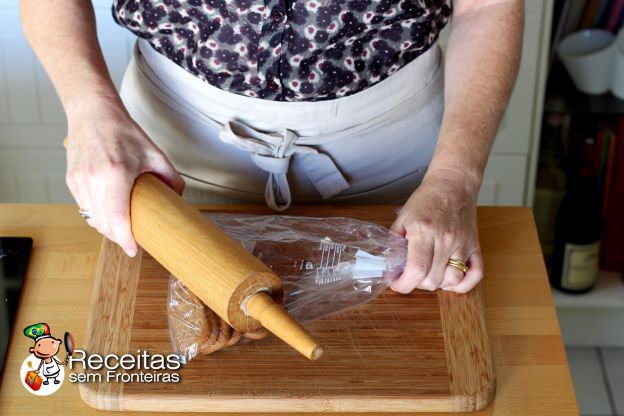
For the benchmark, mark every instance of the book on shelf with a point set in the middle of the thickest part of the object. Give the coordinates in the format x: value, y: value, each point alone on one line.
x: 615, y: 17
x: 572, y: 15
x: 606, y: 158
x: 573, y: 19
x: 612, y: 251
x: 591, y: 10
x: 600, y: 20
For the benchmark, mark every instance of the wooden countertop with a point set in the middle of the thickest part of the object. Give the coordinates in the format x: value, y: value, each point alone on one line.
x: 532, y: 371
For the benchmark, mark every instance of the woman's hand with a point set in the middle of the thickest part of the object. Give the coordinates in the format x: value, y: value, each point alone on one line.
x: 439, y: 221
x: 106, y: 152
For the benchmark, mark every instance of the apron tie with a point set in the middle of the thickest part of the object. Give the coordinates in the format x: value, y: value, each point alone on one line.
x: 271, y: 152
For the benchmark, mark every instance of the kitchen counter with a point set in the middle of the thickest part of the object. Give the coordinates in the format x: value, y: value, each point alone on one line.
x: 531, y: 367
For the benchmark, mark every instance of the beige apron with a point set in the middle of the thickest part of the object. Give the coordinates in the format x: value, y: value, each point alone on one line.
x: 370, y: 147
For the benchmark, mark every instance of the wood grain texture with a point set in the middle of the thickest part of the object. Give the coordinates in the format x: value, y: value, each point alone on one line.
x: 382, y: 350
x: 532, y: 374
x: 111, y: 318
x: 466, y: 344
x: 427, y: 351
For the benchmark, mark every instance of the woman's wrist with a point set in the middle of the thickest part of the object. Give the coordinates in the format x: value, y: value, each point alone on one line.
x: 94, y: 103
x: 467, y: 181
x: 76, y: 99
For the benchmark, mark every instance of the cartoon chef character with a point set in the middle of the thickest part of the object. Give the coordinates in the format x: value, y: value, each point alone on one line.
x: 45, y: 348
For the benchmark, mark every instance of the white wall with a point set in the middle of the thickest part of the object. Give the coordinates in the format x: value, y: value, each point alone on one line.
x: 32, y: 122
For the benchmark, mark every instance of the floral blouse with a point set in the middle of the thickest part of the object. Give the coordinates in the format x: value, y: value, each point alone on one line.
x: 287, y: 50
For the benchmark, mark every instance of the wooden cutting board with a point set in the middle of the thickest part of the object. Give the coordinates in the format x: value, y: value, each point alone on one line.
x: 427, y: 351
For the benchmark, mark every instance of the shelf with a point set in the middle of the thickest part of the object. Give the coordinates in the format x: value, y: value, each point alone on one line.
x: 562, y: 97
x: 608, y: 294
x: 593, y: 318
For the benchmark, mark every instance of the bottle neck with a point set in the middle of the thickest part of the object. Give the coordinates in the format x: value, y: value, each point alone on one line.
x: 583, y: 183
x: 584, y: 176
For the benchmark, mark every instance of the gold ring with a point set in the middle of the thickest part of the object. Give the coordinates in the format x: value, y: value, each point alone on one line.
x: 85, y: 213
x: 458, y: 264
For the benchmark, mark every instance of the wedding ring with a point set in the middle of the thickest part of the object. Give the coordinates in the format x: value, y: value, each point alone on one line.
x: 458, y: 264
x: 85, y: 213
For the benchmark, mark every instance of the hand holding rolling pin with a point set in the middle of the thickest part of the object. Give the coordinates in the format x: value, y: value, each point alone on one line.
x: 106, y: 152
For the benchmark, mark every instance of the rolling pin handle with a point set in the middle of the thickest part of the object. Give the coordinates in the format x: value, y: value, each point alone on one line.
x: 275, y: 318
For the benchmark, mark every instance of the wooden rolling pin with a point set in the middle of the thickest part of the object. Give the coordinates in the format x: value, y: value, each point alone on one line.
x: 217, y: 269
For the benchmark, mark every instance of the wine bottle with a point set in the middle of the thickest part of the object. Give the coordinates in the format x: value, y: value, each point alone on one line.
x: 578, y: 227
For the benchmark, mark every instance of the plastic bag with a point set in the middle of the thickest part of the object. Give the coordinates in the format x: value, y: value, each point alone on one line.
x: 195, y: 329
x: 327, y: 265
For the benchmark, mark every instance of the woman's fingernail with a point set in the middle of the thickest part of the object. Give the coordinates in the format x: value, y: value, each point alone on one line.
x: 449, y: 288
x: 131, y: 252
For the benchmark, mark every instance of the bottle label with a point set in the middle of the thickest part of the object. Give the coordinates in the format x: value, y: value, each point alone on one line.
x: 580, y: 266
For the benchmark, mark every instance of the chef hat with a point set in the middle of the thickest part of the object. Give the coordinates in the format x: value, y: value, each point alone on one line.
x: 37, y: 331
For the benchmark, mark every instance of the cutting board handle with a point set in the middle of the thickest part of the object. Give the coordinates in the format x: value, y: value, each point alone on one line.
x: 231, y: 281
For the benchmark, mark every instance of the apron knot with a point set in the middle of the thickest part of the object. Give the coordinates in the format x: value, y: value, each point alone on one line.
x: 271, y: 152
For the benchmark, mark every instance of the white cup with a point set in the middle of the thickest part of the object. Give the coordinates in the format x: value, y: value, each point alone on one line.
x: 588, y: 57
x: 617, y: 83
